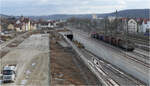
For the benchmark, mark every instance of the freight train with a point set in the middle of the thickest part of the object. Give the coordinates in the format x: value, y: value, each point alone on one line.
x: 115, y: 41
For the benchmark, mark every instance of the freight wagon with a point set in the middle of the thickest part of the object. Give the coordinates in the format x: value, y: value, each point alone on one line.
x: 115, y: 41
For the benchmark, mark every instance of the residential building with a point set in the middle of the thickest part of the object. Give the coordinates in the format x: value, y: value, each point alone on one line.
x: 18, y: 27
x: 132, y: 26
x: 45, y: 24
x: 145, y: 26
x: 24, y: 24
x: 10, y: 27
x: 18, y: 22
x: 33, y: 26
x: 23, y: 27
x: 139, y: 25
x: 124, y: 24
x: 94, y: 16
x: 111, y: 18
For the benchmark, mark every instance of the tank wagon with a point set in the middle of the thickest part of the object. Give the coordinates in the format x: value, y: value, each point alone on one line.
x: 115, y: 41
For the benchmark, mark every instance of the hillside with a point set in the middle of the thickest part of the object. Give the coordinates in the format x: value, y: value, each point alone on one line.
x: 133, y: 13
x: 5, y: 16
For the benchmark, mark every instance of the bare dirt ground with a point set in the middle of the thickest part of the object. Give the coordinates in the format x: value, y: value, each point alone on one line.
x: 67, y: 68
x: 13, y: 43
x: 32, y: 58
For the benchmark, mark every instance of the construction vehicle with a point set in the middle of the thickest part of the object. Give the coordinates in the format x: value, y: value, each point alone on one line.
x: 78, y: 44
x: 9, y: 73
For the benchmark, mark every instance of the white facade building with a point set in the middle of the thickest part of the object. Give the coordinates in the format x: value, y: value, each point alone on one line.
x: 145, y: 26
x: 94, y: 16
x: 111, y: 18
x: 132, y: 26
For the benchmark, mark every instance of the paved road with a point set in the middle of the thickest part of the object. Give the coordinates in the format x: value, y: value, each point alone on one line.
x: 32, y: 57
x: 111, y: 55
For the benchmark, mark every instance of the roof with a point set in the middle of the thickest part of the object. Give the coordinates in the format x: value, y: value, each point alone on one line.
x: 146, y: 20
x: 18, y: 25
x: 138, y: 20
x: 124, y: 19
x: 9, y: 68
x: 26, y: 20
x: 44, y: 23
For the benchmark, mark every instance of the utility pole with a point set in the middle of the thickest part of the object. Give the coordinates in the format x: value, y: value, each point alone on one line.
x: 127, y: 26
x: 105, y: 26
x: 116, y: 21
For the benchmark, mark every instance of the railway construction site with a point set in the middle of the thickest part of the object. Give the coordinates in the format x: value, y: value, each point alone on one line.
x: 53, y: 59
x: 32, y: 59
x: 67, y: 69
x: 41, y: 61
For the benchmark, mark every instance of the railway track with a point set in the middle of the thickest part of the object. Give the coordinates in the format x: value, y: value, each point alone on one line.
x: 142, y: 51
x: 142, y: 55
x: 104, y: 75
x: 126, y: 55
x: 135, y: 59
x: 122, y: 75
x: 140, y: 41
x: 113, y: 76
x: 137, y: 69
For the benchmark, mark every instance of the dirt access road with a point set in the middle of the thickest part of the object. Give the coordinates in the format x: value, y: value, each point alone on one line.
x: 32, y: 58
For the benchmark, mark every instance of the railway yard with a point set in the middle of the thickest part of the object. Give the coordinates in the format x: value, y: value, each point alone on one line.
x: 130, y: 62
x: 52, y: 59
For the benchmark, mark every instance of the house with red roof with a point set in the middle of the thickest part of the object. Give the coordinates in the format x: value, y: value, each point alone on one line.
x: 134, y: 25
x: 24, y: 24
x: 145, y: 27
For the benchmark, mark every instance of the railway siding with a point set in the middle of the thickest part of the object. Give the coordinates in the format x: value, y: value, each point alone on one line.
x: 113, y: 56
x: 108, y: 77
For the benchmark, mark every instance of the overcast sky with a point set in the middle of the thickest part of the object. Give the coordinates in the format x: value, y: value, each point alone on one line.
x: 47, y: 7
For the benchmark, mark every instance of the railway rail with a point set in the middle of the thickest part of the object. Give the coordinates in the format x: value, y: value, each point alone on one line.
x: 140, y: 41
x: 146, y: 53
x: 112, y: 75
x: 126, y: 55
x: 104, y: 75
x: 136, y: 69
x: 136, y: 59
x: 142, y: 55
